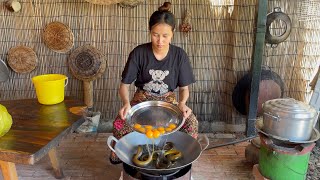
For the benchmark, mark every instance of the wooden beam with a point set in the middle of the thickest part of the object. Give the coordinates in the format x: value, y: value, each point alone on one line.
x: 256, y: 66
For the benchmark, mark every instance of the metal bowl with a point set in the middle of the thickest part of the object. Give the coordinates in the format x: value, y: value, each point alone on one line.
x: 155, y: 113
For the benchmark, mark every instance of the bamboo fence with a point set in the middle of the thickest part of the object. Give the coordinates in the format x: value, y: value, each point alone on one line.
x: 220, y: 47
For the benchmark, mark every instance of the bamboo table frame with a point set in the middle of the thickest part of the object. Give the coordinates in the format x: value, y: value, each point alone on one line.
x: 36, y: 131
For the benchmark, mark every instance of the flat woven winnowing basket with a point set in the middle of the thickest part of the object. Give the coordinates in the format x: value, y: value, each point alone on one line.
x: 87, y: 63
x: 104, y: 2
x: 130, y: 3
x: 58, y: 37
x: 22, y: 59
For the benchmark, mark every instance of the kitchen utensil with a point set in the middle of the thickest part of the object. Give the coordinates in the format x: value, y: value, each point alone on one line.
x: 191, y: 149
x: 289, y: 119
x: 274, y: 40
x: 271, y: 87
x: 155, y: 113
x: 315, y: 135
x: 22, y: 59
x: 4, y: 71
x: 87, y: 63
x: 58, y: 37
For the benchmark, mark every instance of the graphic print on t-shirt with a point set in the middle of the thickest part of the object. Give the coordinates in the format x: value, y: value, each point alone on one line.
x: 156, y: 85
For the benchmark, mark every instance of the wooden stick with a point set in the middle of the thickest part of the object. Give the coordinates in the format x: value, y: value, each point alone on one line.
x: 58, y: 173
x: 88, y: 93
x: 9, y: 171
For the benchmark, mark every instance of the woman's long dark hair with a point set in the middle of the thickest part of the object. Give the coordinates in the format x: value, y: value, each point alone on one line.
x: 162, y: 15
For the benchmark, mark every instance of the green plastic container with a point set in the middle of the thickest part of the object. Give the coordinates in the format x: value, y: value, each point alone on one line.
x: 278, y: 163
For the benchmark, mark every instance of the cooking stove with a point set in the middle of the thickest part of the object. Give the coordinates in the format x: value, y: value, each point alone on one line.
x: 131, y: 173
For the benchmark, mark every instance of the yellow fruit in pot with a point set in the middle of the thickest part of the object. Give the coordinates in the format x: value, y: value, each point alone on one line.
x: 148, y: 127
x: 5, y: 120
x: 137, y: 126
x: 168, y: 129
x: 149, y: 134
x: 156, y: 133
x: 172, y: 126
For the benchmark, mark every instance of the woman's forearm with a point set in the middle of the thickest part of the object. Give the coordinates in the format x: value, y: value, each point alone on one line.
x: 124, y: 93
x: 183, y: 94
x: 183, y: 97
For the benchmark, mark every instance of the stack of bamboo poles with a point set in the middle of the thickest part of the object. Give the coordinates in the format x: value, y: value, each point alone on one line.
x: 219, y: 46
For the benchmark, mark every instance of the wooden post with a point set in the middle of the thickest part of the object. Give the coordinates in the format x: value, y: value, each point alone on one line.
x: 9, y: 171
x: 58, y: 173
x: 88, y: 93
x: 256, y: 66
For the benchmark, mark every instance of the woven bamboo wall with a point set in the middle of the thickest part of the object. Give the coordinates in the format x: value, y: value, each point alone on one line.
x: 220, y: 47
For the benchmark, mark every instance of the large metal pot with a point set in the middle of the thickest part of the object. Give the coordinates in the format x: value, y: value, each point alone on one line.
x: 126, y: 146
x: 289, y: 119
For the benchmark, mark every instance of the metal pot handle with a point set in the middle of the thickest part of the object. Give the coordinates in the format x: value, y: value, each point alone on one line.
x: 201, y: 138
x: 109, y: 142
x: 274, y: 117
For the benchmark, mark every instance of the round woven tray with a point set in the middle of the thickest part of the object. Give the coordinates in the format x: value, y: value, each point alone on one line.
x: 130, y: 3
x: 104, y: 2
x: 87, y: 63
x: 22, y: 59
x: 58, y: 37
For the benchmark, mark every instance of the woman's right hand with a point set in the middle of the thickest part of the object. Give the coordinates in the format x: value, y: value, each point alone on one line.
x: 124, y: 110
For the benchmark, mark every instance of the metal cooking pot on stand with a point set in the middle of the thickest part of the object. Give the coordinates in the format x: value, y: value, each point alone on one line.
x: 289, y: 119
x: 191, y: 149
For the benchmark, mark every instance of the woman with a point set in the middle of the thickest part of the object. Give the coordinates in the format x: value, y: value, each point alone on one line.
x: 157, y: 68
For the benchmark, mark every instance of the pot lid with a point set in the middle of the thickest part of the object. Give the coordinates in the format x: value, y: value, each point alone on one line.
x: 289, y: 107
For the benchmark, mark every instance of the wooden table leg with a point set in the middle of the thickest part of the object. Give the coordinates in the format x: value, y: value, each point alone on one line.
x: 58, y: 173
x: 9, y: 171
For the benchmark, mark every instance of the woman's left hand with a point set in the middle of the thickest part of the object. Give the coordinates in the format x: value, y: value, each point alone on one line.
x: 185, y: 110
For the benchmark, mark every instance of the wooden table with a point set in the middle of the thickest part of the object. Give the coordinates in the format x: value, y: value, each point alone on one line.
x: 36, y: 131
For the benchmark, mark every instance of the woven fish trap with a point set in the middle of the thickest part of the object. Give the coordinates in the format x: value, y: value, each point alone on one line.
x: 22, y: 59
x: 104, y: 2
x: 130, y: 3
x: 87, y: 63
x: 58, y: 37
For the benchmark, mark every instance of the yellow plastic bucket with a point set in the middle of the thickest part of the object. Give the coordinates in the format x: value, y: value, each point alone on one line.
x: 50, y: 88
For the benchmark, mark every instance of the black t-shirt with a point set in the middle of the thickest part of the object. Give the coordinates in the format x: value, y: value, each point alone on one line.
x: 156, y: 76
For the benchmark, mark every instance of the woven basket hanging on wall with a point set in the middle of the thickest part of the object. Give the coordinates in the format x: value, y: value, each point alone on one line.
x: 58, y: 37
x: 104, y: 2
x: 87, y: 63
x: 130, y: 3
x: 22, y: 59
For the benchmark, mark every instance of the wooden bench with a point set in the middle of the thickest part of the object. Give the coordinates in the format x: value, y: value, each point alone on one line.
x: 36, y: 131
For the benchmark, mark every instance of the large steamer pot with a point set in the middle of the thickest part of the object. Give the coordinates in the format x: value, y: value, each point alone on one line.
x: 289, y: 119
x: 191, y: 149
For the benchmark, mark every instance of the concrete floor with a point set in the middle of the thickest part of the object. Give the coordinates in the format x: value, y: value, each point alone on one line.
x: 85, y: 156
